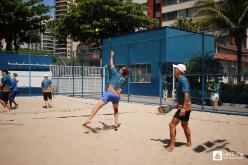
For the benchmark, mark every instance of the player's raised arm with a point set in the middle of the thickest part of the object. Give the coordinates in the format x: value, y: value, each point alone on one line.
x: 111, y: 63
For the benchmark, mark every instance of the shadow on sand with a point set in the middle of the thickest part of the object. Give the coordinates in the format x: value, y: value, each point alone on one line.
x: 98, y: 129
x: 167, y: 141
x: 215, y: 145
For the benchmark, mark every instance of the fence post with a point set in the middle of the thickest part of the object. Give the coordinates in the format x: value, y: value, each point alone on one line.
x: 73, y: 76
x: 102, y: 72
x: 29, y: 71
x: 82, y: 72
x: 55, y: 73
x: 160, y: 72
x: 103, y: 80
x: 129, y: 78
x: 203, y: 73
x: 59, y: 76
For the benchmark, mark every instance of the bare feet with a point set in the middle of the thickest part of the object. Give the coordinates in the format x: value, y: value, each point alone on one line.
x: 116, y: 127
x: 6, y: 109
x: 188, y: 145
x: 86, y: 123
x: 169, y: 148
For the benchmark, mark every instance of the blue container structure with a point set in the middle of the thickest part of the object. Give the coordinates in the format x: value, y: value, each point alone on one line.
x: 154, y: 52
x: 15, y: 62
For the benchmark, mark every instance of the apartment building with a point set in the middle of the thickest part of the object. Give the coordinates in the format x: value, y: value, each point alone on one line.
x: 68, y: 47
x: 167, y: 11
x: 47, y: 42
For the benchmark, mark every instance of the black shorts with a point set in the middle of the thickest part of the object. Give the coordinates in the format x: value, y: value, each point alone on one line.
x: 4, y: 96
x: 182, y: 118
x: 47, y: 95
x: 12, y: 95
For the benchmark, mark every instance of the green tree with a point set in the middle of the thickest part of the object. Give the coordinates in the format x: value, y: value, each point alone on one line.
x: 231, y: 14
x: 212, y: 66
x: 194, y: 67
x: 185, y: 24
x: 90, y: 20
x: 22, y: 21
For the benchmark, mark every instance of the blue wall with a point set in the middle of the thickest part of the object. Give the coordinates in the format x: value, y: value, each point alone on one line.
x: 6, y: 58
x: 21, y: 58
x: 155, y: 47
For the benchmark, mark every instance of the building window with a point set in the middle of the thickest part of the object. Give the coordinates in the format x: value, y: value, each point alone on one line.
x: 170, y: 16
x: 182, y: 13
x: 141, y: 73
x: 171, y: 2
x: 180, y: 1
x: 157, y: 7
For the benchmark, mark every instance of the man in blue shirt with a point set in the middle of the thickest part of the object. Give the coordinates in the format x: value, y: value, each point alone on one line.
x: 47, y: 89
x: 116, y: 84
x: 5, y: 88
x: 184, y: 107
x: 14, y: 91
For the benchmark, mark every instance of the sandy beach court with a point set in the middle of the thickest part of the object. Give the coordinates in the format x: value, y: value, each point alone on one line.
x: 32, y: 135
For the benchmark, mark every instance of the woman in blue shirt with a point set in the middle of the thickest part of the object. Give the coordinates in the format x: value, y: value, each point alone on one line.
x: 13, y: 92
x: 5, y: 87
x: 116, y: 84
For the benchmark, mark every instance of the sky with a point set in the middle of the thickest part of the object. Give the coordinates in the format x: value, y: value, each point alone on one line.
x: 50, y: 3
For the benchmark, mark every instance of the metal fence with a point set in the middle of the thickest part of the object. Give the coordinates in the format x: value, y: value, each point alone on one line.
x: 151, y: 80
x: 92, y: 82
x: 157, y: 86
x: 78, y: 80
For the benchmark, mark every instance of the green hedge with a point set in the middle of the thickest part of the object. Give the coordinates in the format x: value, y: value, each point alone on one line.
x: 234, y: 93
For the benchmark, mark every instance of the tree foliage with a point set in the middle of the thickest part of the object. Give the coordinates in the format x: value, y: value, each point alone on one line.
x: 185, y: 24
x: 231, y: 15
x: 90, y: 20
x: 211, y: 65
x: 22, y: 21
x: 194, y: 67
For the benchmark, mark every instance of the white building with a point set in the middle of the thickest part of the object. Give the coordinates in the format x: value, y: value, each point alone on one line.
x: 66, y: 48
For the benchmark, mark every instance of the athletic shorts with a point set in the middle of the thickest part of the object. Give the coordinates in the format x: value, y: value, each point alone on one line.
x: 47, y: 95
x: 12, y: 95
x: 182, y: 118
x: 4, y: 96
x: 214, y: 96
x: 110, y: 96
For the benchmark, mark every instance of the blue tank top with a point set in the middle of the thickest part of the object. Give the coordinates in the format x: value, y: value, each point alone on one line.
x: 6, y: 81
x: 183, y: 86
x: 46, y: 83
x: 14, y: 85
x: 117, y: 80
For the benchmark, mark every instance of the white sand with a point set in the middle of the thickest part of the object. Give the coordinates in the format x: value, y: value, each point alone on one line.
x: 31, y: 135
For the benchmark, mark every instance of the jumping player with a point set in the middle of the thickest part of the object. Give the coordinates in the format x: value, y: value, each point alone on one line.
x: 117, y: 82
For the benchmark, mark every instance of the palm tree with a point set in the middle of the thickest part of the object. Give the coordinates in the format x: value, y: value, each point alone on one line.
x: 225, y: 14
x: 185, y: 24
